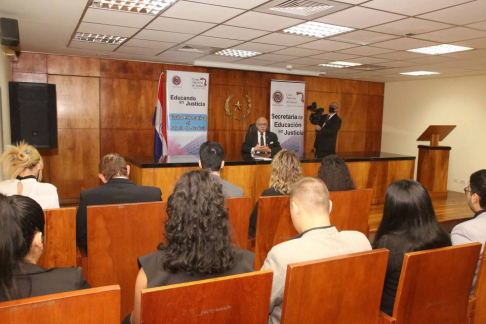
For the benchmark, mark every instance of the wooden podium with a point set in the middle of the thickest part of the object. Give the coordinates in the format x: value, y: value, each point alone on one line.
x: 433, y: 160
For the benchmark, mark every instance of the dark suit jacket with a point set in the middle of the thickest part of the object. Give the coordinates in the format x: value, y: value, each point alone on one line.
x: 115, y: 191
x: 326, y: 138
x: 252, y: 139
x: 32, y: 280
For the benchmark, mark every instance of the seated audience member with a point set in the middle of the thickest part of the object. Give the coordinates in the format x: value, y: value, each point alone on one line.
x: 21, y: 246
x: 211, y: 159
x: 23, y: 165
x: 286, y: 171
x: 117, y: 189
x: 198, y: 232
x: 474, y: 230
x: 408, y: 225
x: 309, y: 208
x: 335, y: 174
x: 261, y: 141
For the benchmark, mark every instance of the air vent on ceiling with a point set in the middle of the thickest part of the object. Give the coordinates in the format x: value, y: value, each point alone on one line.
x: 301, y: 7
x: 308, y: 9
x: 197, y: 49
x: 368, y: 67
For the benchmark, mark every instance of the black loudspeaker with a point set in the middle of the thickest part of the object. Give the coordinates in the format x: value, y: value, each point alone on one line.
x: 9, y: 29
x: 33, y: 113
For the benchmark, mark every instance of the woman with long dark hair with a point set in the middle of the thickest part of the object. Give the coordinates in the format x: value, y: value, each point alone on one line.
x: 199, y: 235
x: 335, y: 174
x: 408, y: 225
x: 21, y: 246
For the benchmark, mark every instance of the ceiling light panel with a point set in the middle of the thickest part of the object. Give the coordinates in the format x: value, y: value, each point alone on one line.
x: 345, y: 63
x: 440, y: 49
x: 98, y: 38
x: 237, y: 53
x: 332, y: 65
x: 301, y: 7
x: 152, y: 7
x: 317, y: 29
x: 418, y: 73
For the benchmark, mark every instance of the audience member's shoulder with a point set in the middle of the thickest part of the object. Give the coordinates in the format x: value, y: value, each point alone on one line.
x: 48, y: 187
x: 355, y: 236
x: 247, y: 260
x: 68, y: 277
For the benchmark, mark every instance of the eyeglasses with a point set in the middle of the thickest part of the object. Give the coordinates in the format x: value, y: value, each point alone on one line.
x: 466, y: 190
x: 261, y: 124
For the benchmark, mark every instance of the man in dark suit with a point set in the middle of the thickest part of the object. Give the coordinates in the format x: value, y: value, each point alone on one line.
x: 117, y: 189
x: 327, y: 132
x: 262, y: 141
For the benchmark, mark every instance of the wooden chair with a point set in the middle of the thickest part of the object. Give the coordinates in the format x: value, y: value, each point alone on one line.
x: 274, y: 226
x: 96, y: 305
x: 60, y: 234
x: 238, y: 299
x: 339, y: 290
x: 477, y: 302
x: 239, y: 210
x: 117, y: 236
x: 351, y: 209
x: 434, y: 286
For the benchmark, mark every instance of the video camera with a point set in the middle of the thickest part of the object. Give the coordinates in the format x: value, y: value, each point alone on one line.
x: 316, y: 115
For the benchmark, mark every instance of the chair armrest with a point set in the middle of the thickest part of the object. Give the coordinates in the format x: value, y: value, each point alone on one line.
x: 385, y: 319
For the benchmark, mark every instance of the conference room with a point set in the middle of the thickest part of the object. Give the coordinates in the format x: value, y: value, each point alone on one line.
x: 124, y: 76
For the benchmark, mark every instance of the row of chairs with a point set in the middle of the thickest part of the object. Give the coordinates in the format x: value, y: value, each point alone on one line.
x: 434, y: 288
x: 118, y: 234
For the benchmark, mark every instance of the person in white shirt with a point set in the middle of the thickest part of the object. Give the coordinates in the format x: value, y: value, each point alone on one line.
x: 22, y: 165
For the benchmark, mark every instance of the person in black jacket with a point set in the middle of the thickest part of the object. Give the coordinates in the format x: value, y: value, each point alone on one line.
x: 327, y: 132
x: 21, y: 246
x: 261, y: 141
x: 117, y: 189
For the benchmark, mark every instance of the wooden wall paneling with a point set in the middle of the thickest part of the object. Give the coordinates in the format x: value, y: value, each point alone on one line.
x: 353, y: 112
x: 75, y: 166
x: 173, y: 67
x: 354, y: 87
x: 351, y: 141
x: 77, y: 101
x: 127, y: 142
x: 245, y: 176
x: 257, y: 79
x: 29, y: 77
x: 324, y: 84
x: 230, y: 140
x: 374, y: 116
x: 127, y: 104
x: 30, y: 63
x: 130, y: 70
x: 73, y: 65
x: 310, y: 169
x: 164, y: 178
x: 227, y: 77
x: 376, y: 88
x: 373, y: 142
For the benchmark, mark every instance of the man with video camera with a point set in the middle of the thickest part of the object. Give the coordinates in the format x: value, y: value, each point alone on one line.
x: 327, y: 127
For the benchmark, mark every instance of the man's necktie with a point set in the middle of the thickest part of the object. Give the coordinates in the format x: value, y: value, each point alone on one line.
x: 262, y: 143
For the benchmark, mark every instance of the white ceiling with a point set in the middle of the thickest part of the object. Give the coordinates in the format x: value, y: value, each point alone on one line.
x: 48, y: 27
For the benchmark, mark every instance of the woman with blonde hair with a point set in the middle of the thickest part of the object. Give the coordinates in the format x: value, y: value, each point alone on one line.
x: 22, y: 166
x: 286, y: 171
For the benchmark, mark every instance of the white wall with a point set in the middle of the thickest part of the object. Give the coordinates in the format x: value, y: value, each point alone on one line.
x: 5, y: 77
x: 411, y: 106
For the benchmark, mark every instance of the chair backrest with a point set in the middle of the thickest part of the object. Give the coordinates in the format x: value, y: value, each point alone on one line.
x: 252, y: 128
x: 480, y: 293
x: 96, y: 305
x: 60, y: 234
x: 274, y: 226
x: 117, y: 236
x: 239, y: 299
x: 339, y: 290
x: 239, y: 210
x: 435, y: 284
x: 351, y: 209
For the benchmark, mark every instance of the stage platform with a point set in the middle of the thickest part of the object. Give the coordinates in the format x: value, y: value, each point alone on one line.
x: 374, y: 170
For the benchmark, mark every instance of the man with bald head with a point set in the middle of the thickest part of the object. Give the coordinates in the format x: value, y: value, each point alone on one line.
x: 309, y: 209
x: 261, y: 141
x: 327, y: 131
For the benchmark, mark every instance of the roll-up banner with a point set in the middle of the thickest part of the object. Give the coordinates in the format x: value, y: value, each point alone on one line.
x: 187, y: 111
x: 287, y: 113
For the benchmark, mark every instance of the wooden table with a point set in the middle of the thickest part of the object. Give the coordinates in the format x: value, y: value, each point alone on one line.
x: 374, y: 170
